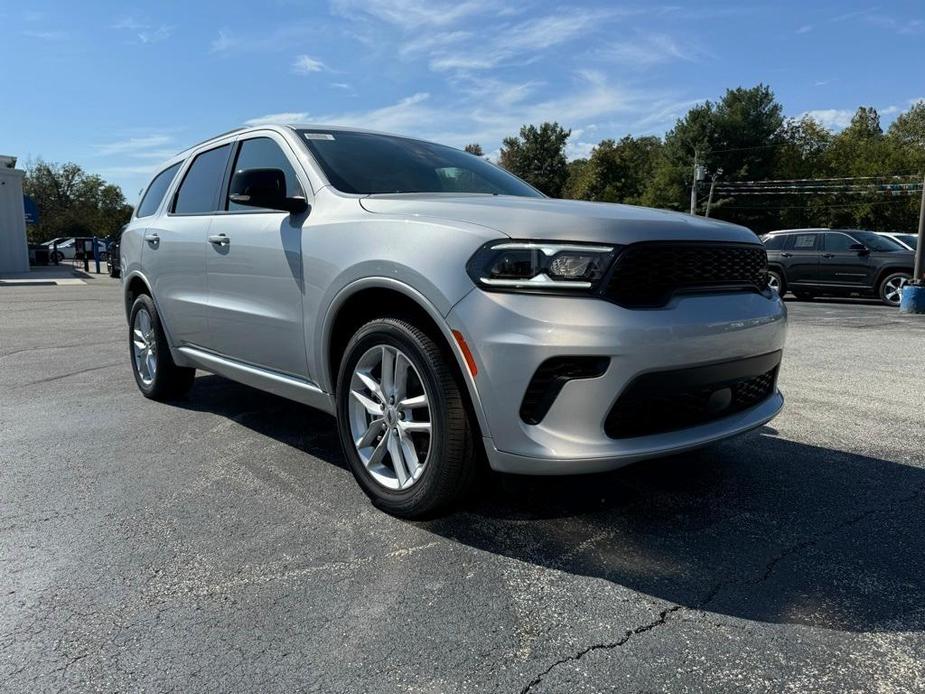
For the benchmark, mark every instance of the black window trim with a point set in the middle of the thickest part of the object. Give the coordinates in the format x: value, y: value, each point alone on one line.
x: 189, y: 165
x: 233, y: 160
x: 167, y: 193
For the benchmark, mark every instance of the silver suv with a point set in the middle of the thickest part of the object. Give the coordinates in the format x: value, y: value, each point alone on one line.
x: 444, y: 311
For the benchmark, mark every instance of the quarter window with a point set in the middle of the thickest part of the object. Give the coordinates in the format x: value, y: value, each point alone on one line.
x: 264, y: 153
x: 775, y: 243
x: 199, y: 191
x: 156, y: 191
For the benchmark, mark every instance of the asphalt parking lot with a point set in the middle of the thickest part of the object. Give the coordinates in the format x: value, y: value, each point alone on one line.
x: 220, y: 544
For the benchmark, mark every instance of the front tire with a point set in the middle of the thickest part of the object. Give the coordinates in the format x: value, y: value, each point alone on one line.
x: 156, y: 374
x: 891, y: 287
x: 402, y: 420
x: 776, y: 282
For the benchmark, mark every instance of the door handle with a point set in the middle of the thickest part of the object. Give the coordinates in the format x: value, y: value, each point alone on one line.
x: 152, y: 238
x: 219, y: 240
x: 786, y: 255
x: 828, y: 255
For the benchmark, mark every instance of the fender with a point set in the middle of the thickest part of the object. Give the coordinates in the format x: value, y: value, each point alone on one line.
x: 178, y: 358
x: 323, y: 348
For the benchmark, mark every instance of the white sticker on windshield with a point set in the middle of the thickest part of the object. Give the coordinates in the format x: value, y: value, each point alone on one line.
x: 318, y: 136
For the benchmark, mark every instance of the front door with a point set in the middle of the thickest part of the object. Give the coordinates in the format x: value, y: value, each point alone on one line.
x: 840, y: 265
x: 254, y: 268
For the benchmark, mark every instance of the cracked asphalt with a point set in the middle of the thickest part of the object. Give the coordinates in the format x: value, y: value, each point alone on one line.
x: 220, y: 544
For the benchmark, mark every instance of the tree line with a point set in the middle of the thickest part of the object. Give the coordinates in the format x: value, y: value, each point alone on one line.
x: 747, y: 137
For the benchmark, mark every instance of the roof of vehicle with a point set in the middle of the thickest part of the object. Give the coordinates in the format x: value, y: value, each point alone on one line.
x: 811, y: 229
x: 293, y: 125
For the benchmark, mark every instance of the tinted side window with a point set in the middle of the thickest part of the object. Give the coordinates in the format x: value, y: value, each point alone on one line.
x: 264, y: 153
x: 775, y: 243
x: 805, y: 242
x: 199, y: 190
x: 156, y: 191
x: 838, y: 242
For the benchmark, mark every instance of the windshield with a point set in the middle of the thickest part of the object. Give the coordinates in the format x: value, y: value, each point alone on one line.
x: 875, y: 242
x: 366, y: 164
x: 910, y: 240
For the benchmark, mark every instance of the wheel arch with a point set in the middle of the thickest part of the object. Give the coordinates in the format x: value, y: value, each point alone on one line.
x: 887, y: 271
x: 366, y: 299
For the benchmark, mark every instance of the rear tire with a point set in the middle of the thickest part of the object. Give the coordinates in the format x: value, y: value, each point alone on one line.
x: 156, y: 374
x: 416, y: 415
x: 890, y: 289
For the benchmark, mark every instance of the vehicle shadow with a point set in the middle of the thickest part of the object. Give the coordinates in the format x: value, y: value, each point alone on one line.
x: 759, y: 527
x: 839, y: 300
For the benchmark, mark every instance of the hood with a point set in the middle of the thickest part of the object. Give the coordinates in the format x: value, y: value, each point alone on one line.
x: 559, y: 220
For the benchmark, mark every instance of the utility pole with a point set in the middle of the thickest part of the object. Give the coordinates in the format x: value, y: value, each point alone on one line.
x: 697, y: 176
x: 717, y: 174
x: 918, y: 275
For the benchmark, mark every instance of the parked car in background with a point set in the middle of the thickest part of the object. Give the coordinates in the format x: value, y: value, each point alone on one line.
x: 444, y: 310
x: 60, y: 248
x: 910, y: 241
x: 838, y: 262
x: 112, y: 256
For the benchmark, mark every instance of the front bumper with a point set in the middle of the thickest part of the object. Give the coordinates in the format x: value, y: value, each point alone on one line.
x: 510, y: 335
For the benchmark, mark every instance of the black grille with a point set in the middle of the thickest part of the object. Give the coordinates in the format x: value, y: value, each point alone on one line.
x: 670, y: 400
x: 646, y: 275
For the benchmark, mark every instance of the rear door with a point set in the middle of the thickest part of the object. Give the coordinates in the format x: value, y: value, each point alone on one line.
x: 254, y: 266
x: 840, y: 265
x: 801, y: 257
x: 174, y: 253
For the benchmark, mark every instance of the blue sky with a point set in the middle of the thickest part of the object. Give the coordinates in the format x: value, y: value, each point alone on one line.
x: 120, y: 86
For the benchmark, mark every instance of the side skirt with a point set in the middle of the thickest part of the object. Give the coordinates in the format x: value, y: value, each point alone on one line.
x: 271, y: 381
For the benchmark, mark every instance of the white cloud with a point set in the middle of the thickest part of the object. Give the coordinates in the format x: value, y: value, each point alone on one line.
x: 411, y: 14
x: 831, y: 118
x: 305, y: 64
x: 511, y: 43
x: 144, y: 32
x: 161, y: 33
x: 45, y: 35
x: 134, y: 145
x: 224, y: 42
x: 649, y: 49
x: 284, y: 117
x: 805, y: 29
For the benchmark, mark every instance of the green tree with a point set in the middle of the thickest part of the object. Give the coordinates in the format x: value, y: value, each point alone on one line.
x: 537, y: 155
x: 616, y: 171
x: 737, y: 134
x: 72, y: 202
x: 475, y: 148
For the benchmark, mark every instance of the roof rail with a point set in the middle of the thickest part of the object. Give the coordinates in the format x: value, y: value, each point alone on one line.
x: 214, y: 137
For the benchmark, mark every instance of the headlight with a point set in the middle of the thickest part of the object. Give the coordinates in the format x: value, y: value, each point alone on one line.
x: 540, y: 266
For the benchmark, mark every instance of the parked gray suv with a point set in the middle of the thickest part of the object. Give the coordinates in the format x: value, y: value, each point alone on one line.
x: 444, y: 311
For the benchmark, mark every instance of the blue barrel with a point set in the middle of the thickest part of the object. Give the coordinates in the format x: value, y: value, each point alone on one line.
x: 913, y: 300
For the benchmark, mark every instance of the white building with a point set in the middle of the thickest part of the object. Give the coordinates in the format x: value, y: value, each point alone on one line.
x: 14, y: 251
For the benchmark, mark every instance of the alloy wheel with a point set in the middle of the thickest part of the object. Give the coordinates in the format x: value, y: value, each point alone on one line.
x: 774, y: 282
x: 390, y: 417
x: 893, y: 288
x: 144, y: 347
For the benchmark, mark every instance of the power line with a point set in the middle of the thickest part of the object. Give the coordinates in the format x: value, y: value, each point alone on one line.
x: 806, y: 207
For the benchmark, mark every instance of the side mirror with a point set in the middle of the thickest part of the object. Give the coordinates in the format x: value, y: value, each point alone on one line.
x: 264, y: 188
x: 859, y: 247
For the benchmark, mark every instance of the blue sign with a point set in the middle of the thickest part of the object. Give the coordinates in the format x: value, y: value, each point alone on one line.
x: 32, y: 210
